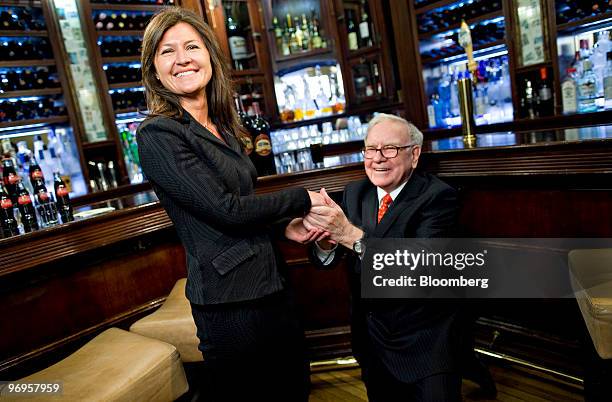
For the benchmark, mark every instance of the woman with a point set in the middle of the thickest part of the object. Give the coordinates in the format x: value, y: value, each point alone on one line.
x: 249, y: 334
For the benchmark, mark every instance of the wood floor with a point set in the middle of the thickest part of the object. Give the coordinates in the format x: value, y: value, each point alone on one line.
x: 513, y: 385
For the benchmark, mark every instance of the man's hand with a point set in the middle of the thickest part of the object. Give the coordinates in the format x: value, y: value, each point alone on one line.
x: 297, y: 232
x: 316, y: 199
x: 331, y: 218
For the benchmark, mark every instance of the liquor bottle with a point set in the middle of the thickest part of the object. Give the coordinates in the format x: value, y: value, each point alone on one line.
x: 352, y: 31
x: 63, y: 198
x: 547, y: 105
x: 608, y: 82
x: 306, y: 45
x: 587, y: 89
x: 528, y: 101
x: 278, y: 35
x: 263, y: 156
x: 237, y: 40
x: 299, y: 34
x: 364, y: 27
x: 8, y: 223
x: 26, y: 209
x: 245, y: 135
x: 316, y: 38
x: 10, y: 178
x: 293, y: 43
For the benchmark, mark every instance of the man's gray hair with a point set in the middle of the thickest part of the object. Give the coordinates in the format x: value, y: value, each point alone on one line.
x: 416, y: 135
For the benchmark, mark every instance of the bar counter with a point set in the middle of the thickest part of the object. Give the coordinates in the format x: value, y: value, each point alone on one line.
x: 60, y: 286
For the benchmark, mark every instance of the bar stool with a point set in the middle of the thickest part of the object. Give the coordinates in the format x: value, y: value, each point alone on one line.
x: 115, y: 366
x: 173, y: 323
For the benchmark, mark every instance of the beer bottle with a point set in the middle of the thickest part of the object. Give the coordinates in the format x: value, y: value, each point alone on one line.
x: 10, y: 178
x: 263, y: 158
x: 63, y: 198
x: 8, y: 223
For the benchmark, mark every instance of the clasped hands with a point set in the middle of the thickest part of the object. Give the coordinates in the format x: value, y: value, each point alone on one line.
x: 325, y: 223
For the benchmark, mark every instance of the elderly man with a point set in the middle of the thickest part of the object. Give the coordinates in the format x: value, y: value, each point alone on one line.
x: 407, y: 349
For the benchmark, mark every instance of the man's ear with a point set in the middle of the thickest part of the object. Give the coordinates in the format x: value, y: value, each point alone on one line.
x: 416, y: 153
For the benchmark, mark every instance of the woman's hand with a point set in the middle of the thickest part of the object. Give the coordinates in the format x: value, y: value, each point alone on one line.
x: 297, y: 232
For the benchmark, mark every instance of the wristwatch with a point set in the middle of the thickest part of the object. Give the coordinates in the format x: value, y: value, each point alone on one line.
x: 359, y: 248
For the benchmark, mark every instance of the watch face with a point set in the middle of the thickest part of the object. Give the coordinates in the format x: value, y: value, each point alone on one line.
x: 358, y: 247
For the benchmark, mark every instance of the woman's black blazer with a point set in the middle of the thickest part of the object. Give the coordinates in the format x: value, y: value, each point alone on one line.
x: 206, y: 187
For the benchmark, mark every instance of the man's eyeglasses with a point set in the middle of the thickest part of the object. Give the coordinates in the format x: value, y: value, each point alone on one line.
x: 388, y: 151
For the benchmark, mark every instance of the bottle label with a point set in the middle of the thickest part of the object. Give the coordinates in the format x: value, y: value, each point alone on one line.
x: 12, y: 178
x: 36, y: 174
x: 24, y: 199
x: 568, y: 90
x: 6, y: 203
x: 364, y: 30
x: 352, y: 41
x: 247, y: 143
x: 545, y: 94
x: 263, y: 146
x: 62, y: 192
x: 238, y: 47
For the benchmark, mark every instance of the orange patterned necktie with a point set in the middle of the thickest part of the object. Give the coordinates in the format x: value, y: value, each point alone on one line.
x: 384, y: 206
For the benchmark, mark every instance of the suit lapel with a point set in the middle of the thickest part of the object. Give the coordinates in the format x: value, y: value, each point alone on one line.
x: 402, y: 203
x: 202, y: 132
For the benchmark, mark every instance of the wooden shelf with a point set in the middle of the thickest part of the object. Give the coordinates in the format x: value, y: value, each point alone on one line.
x: 31, y: 92
x: 433, y: 6
x: 429, y: 60
x: 245, y: 73
x: 366, y: 51
x: 121, y: 85
x: 27, y: 63
x: 48, y: 120
x: 127, y: 7
x: 128, y: 110
x: 122, y: 59
x: 120, y: 33
x: 531, y: 67
x: 484, y: 17
x: 302, y: 55
x: 14, y: 33
x: 98, y: 144
x: 20, y: 3
x: 579, y: 25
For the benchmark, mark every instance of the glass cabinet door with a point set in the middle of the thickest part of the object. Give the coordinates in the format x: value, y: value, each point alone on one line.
x: 240, y: 35
x: 366, y: 80
x: 360, y: 30
x: 531, y: 36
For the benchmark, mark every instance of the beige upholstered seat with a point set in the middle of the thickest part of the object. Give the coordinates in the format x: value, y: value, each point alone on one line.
x: 173, y: 323
x: 115, y: 366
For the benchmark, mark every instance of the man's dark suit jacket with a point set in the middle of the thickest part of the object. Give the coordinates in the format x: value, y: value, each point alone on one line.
x: 413, y: 338
x: 206, y: 187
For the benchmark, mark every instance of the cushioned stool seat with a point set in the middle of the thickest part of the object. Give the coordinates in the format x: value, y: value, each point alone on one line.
x: 116, y: 366
x: 173, y: 323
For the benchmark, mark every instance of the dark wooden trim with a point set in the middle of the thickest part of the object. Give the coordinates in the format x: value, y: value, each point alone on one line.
x: 98, y: 144
x: 15, y: 33
x: 121, y: 85
x: 27, y: 63
x: 21, y: 3
x: 31, y: 92
x: 122, y: 59
x: 48, y: 245
x: 303, y: 55
x: 120, y: 33
x: 120, y: 191
x: 430, y: 60
x: 48, y: 120
x: 433, y: 6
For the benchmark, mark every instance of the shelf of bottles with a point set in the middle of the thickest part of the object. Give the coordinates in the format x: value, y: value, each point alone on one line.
x: 297, y: 30
x: 444, y: 60
x: 240, y: 35
x: 584, y: 55
x: 361, y: 36
x: 119, y: 26
x: 366, y: 78
x: 38, y: 147
x: 311, y: 92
